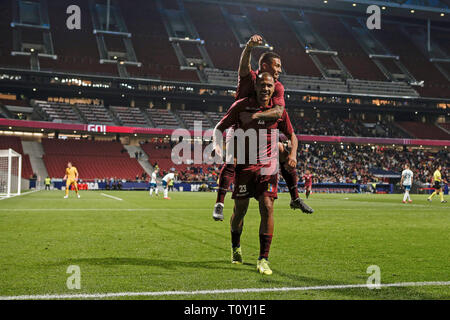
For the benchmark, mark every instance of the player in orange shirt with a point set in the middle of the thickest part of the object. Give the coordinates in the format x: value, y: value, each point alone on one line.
x: 71, y: 178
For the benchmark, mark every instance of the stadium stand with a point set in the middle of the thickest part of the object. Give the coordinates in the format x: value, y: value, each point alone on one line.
x: 10, y: 108
x: 381, y: 88
x: 394, y: 38
x: 57, y: 112
x: 221, y: 77
x: 424, y: 130
x: 189, y: 116
x: 151, y: 43
x: 360, y: 164
x: 295, y: 59
x: 16, y: 103
x: 214, y: 117
x: 159, y: 60
x: 313, y: 84
x: 6, y: 40
x: 130, y: 116
x: 71, y: 55
x: 305, y: 83
x: 219, y: 40
x: 159, y: 154
x: 316, y: 126
x: 446, y: 126
x: 337, y: 126
x: 15, y: 143
x: 95, y: 114
x: 330, y: 163
x: 157, y: 150
x: 349, y: 50
x: 163, y: 118
x: 93, y: 159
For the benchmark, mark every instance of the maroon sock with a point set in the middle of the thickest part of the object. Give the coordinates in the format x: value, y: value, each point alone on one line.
x: 265, y: 240
x: 290, y: 176
x: 236, y: 238
x: 308, y: 193
x: 226, y: 176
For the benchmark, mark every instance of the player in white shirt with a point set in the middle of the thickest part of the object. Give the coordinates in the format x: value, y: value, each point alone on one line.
x: 406, y: 182
x: 153, y: 183
x: 165, y: 181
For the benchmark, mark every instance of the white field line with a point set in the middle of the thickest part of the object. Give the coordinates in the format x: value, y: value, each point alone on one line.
x: 103, y: 209
x: 225, y: 291
x: 112, y: 197
x: 22, y: 194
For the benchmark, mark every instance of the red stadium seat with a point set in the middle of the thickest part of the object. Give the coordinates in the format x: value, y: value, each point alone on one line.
x: 16, y: 144
x: 93, y: 159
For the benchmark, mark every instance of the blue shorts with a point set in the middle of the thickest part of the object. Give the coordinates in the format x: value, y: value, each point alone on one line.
x: 152, y: 185
x: 164, y: 183
x: 407, y: 188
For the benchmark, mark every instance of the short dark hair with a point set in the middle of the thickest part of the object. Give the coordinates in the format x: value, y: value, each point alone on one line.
x: 267, y: 57
x: 263, y: 75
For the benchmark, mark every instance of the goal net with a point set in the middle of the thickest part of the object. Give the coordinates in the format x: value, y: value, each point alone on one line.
x: 10, y: 172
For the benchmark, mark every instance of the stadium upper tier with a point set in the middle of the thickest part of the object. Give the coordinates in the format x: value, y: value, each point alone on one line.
x: 315, y: 84
x: 195, y: 41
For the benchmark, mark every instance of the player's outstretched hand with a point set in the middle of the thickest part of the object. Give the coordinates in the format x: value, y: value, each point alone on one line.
x: 255, y: 40
x: 291, y: 162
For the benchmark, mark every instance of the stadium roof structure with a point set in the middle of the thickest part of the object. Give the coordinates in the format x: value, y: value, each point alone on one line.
x: 437, y: 10
x: 422, y: 3
x: 425, y: 5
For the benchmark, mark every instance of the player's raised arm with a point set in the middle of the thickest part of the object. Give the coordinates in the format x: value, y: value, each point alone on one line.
x: 244, y: 65
x: 269, y: 62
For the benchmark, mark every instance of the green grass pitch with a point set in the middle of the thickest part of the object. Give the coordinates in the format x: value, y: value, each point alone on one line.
x: 143, y: 244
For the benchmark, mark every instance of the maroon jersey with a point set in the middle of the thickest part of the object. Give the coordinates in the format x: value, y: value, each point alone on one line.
x: 246, y: 88
x: 250, y: 105
x: 308, y: 179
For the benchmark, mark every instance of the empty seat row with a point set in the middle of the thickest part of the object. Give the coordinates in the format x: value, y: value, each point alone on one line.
x: 96, y: 114
x: 130, y: 116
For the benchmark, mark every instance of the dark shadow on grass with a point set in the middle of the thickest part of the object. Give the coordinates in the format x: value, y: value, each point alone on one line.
x: 160, y: 263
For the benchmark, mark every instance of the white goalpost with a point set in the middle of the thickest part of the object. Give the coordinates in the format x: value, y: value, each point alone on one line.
x: 10, y: 173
